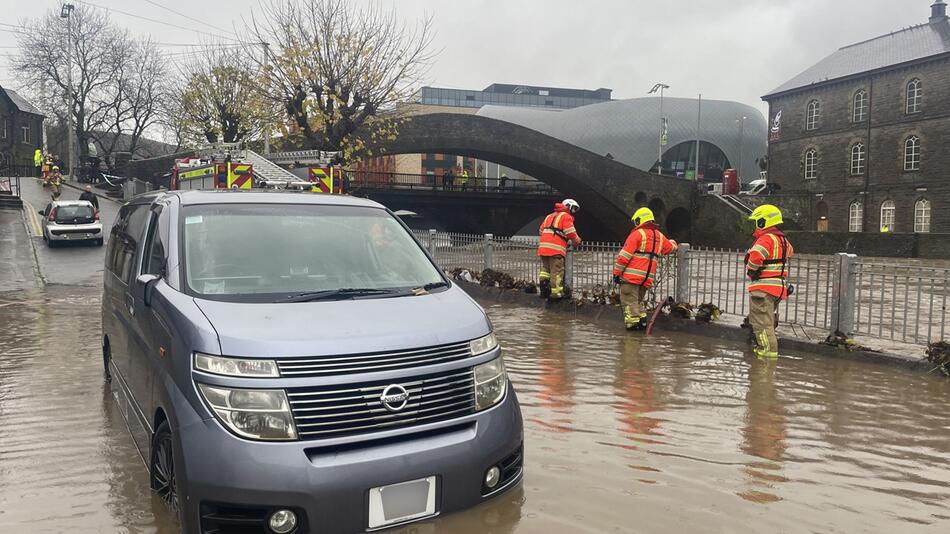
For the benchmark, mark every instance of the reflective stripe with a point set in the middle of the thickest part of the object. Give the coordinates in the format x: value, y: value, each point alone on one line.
x: 626, y: 254
x: 552, y: 246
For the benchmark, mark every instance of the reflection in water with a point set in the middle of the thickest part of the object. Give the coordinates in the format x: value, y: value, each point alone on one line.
x: 636, y: 393
x: 763, y: 432
x: 623, y: 433
x: 556, y: 388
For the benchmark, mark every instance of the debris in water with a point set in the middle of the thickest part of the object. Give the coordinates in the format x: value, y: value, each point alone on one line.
x: 938, y: 353
x: 707, y: 312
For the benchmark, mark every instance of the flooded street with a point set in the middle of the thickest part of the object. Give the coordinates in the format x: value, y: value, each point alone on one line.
x: 623, y: 434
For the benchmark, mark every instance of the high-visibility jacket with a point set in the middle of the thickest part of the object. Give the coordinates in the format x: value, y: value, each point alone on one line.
x: 37, y: 158
x: 556, y: 230
x: 767, y: 262
x: 637, y: 260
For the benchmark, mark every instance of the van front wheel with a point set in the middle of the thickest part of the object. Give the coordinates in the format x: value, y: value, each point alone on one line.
x: 162, y: 467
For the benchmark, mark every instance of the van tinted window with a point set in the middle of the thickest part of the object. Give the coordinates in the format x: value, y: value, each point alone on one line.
x: 124, y: 239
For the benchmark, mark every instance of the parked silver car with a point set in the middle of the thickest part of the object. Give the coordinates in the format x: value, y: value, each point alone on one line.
x: 71, y: 220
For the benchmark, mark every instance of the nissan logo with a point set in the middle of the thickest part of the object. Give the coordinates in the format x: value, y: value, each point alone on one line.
x: 394, y: 397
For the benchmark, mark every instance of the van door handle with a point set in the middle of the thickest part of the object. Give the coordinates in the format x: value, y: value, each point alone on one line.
x: 130, y: 302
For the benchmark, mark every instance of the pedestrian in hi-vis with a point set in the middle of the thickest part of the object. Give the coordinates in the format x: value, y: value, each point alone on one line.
x: 767, y: 268
x: 635, y: 268
x: 557, y: 230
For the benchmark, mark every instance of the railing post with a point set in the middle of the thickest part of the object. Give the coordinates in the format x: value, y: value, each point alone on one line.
x: 682, y: 273
x: 843, y: 301
x: 489, y: 259
x: 431, y: 243
x: 569, y: 268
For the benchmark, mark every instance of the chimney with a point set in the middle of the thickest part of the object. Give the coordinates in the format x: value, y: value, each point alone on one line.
x: 938, y: 11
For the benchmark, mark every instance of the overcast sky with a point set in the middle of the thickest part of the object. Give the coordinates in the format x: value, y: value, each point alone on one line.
x: 724, y: 49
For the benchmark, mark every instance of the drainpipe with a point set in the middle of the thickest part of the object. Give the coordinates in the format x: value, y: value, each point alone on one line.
x: 867, y: 159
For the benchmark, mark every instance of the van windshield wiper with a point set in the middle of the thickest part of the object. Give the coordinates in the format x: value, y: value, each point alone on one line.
x: 336, y: 294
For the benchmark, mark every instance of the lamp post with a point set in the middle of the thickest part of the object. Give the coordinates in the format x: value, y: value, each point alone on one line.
x: 65, y: 13
x: 659, y: 160
x: 741, y: 123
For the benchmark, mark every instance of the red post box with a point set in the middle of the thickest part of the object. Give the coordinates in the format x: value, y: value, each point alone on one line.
x: 730, y: 182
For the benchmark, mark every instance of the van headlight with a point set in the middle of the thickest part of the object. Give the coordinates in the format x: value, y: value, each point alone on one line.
x: 252, y: 413
x: 491, y: 382
x: 243, y: 367
x: 483, y: 344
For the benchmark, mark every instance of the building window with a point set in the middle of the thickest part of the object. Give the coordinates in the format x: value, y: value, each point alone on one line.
x: 856, y: 217
x: 912, y: 153
x: 4, y: 128
x: 25, y: 134
x: 859, y: 108
x: 922, y: 216
x: 812, y: 115
x: 915, y: 94
x: 858, y: 158
x: 811, y: 164
x: 543, y: 92
x: 887, y: 216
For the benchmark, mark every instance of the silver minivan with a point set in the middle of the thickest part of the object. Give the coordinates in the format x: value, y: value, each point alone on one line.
x: 297, y: 363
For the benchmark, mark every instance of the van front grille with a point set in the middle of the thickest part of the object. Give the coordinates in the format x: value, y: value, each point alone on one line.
x: 375, y: 361
x: 334, y: 411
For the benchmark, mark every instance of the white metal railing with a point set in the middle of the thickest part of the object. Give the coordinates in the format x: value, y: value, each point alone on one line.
x: 899, y: 300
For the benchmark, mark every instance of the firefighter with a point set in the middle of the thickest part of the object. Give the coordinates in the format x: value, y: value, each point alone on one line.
x: 55, y: 182
x: 557, y: 230
x: 767, y: 268
x: 38, y: 161
x: 636, y: 264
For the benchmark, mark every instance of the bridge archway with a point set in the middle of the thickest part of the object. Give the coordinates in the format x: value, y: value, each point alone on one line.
x: 605, y: 188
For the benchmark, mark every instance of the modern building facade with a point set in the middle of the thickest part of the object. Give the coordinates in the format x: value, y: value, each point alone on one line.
x: 445, y: 100
x: 730, y: 134
x: 21, y: 129
x: 856, y: 141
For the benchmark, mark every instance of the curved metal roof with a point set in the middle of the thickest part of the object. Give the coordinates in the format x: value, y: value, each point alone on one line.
x: 629, y: 129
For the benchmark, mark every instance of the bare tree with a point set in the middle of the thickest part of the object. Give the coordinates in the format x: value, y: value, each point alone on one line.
x: 334, y: 68
x: 217, y: 98
x: 117, y: 81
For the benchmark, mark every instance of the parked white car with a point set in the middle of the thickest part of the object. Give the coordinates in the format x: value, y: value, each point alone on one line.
x: 756, y: 187
x: 71, y: 220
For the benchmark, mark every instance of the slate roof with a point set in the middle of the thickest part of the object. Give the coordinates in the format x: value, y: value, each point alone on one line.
x: 21, y: 103
x: 909, y: 44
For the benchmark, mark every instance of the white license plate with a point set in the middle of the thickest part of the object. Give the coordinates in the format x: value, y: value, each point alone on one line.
x: 405, y: 501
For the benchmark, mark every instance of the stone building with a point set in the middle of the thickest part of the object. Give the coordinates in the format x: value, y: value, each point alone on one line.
x: 21, y: 129
x: 855, y: 141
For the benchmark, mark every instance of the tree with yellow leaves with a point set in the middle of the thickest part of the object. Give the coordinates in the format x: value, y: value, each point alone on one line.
x: 338, y: 70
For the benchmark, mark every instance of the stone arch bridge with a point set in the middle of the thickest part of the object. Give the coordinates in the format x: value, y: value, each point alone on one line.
x: 609, y: 191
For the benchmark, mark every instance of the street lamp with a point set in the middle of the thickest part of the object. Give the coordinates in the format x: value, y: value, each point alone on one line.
x: 741, y: 123
x: 659, y: 161
x: 65, y: 13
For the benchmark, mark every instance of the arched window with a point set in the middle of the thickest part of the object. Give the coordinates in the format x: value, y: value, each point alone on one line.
x: 812, y: 115
x: 856, y: 217
x: 922, y: 216
x: 811, y: 164
x: 915, y: 95
x: 912, y: 153
x: 887, y: 216
x: 858, y: 158
x: 859, y: 107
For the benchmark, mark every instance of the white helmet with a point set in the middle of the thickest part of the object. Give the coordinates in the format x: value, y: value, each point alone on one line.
x: 571, y: 205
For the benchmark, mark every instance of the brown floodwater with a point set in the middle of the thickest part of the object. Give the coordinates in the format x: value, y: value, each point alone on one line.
x: 623, y: 433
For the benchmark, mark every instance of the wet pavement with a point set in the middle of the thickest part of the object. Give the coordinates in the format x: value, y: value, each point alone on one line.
x: 623, y: 433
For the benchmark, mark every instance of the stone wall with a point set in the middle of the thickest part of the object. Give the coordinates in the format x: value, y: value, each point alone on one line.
x: 883, y: 136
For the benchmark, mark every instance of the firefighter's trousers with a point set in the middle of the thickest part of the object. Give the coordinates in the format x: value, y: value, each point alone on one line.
x: 552, y: 269
x: 762, y: 308
x: 631, y: 298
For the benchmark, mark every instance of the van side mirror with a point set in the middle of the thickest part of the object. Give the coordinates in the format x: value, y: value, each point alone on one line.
x: 41, y: 212
x: 144, y: 285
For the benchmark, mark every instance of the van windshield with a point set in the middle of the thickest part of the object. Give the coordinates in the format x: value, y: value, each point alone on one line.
x: 275, y: 253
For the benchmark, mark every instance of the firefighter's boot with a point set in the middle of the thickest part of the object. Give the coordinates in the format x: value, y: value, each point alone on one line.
x: 544, y: 288
x: 630, y: 321
x: 763, y: 349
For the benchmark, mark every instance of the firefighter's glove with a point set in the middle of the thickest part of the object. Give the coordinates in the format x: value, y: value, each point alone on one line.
x: 618, y: 280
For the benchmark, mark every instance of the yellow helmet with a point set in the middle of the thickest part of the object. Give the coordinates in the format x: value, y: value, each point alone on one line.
x: 766, y: 216
x: 641, y: 216
x: 55, y: 168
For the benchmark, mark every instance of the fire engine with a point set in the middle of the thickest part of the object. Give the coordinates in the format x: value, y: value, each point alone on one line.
x: 222, y: 167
